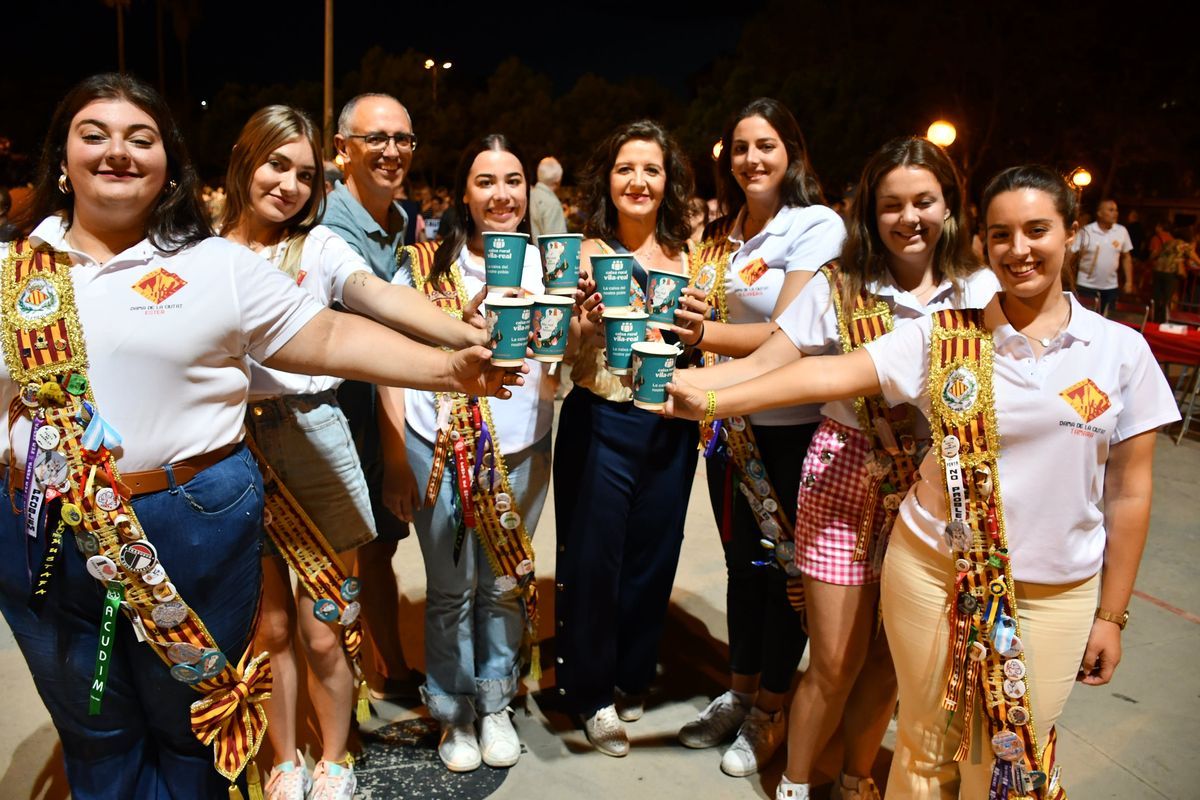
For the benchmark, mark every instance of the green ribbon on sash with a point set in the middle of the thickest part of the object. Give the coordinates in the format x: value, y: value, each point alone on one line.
x: 108, y: 633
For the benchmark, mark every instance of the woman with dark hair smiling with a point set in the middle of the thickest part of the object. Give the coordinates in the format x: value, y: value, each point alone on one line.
x: 126, y: 330
x: 621, y: 475
x: 480, y: 582
x: 752, y: 264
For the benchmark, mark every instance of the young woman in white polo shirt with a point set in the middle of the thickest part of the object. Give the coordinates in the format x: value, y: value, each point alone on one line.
x: 274, y: 202
x: 905, y: 255
x: 163, y: 500
x: 476, y: 619
x: 753, y: 264
x: 1066, y: 404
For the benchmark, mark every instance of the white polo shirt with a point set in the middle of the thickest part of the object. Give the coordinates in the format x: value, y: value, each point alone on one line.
x: 167, y: 339
x: 523, y: 419
x: 326, y: 261
x: 811, y: 322
x: 1101, y: 251
x: 1096, y: 385
x: 796, y: 239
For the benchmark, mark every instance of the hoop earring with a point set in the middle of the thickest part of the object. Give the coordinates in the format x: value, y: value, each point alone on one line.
x: 64, y: 183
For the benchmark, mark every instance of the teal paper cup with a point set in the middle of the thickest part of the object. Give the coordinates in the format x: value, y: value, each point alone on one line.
x: 614, y: 280
x: 560, y: 262
x: 663, y: 290
x: 653, y: 369
x: 509, y: 320
x: 551, y: 323
x: 504, y: 259
x: 623, y: 329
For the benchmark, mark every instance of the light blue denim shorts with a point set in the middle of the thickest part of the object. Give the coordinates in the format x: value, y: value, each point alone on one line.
x: 306, y: 440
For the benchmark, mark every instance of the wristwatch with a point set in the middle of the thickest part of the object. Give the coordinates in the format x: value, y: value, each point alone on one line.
x: 1120, y: 620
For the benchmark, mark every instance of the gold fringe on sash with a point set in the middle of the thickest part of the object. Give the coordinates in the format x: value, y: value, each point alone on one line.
x: 963, y: 407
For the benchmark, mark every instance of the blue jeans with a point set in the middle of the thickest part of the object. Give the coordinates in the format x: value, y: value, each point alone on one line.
x: 208, y: 536
x: 473, y: 631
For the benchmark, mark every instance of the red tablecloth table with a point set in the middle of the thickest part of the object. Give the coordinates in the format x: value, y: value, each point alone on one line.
x: 1173, y: 348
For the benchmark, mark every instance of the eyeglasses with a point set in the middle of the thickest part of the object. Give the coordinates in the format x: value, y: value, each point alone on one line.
x: 378, y: 142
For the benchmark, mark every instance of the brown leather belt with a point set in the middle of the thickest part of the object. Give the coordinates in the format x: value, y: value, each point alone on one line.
x: 155, y: 480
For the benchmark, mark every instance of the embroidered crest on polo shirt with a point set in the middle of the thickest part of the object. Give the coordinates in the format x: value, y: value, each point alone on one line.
x: 1087, y: 399
x: 158, y: 285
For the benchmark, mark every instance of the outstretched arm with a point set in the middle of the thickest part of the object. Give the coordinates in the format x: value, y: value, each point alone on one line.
x: 775, y: 352
x: 740, y: 340
x: 407, y: 310
x: 350, y: 346
x: 1128, y: 486
x: 810, y: 380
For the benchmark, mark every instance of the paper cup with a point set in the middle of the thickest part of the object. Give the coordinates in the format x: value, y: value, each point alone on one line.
x: 560, y: 262
x: 504, y: 259
x: 663, y: 290
x: 614, y: 280
x: 551, y: 323
x: 509, y: 320
x: 653, y: 369
x: 622, y: 330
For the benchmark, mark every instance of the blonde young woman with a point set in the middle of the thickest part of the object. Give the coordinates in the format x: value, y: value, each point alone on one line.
x: 905, y: 256
x: 274, y: 207
x: 1038, y: 485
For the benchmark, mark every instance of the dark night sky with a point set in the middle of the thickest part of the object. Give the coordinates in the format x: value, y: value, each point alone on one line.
x: 264, y: 43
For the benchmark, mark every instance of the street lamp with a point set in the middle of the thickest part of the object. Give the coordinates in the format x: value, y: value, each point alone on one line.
x: 941, y: 133
x: 717, y: 148
x: 434, y: 69
x: 1080, y: 178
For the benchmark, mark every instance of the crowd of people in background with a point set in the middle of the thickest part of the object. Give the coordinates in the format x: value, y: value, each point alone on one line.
x: 859, y: 379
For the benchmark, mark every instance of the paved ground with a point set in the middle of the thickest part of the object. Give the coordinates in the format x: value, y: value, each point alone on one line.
x: 1132, y: 739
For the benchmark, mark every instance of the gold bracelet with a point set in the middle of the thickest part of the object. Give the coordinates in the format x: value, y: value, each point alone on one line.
x: 1120, y: 620
x: 710, y: 412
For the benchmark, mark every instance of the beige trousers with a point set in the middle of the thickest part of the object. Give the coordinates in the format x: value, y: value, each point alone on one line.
x: 916, y: 595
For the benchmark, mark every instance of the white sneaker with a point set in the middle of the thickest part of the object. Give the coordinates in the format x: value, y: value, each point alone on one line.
x: 853, y: 788
x: 786, y: 790
x: 459, y: 749
x: 288, y: 781
x: 757, y: 740
x: 498, y: 740
x: 333, y: 781
x: 606, y: 733
x: 724, y: 715
x: 630, y: 707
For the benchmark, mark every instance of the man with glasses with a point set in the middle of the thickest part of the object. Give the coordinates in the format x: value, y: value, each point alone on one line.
x: 376, y: 142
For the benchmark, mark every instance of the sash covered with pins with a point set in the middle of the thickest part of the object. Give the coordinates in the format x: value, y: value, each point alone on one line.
x: 306, y: 550
x: 895, y: 453
x: 72, y: 482
x: 987, y: 660
x: 734, y: 437
x: 466, y: 434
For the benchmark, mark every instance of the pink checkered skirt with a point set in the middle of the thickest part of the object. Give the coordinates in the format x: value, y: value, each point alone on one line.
x: 833, y: 494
